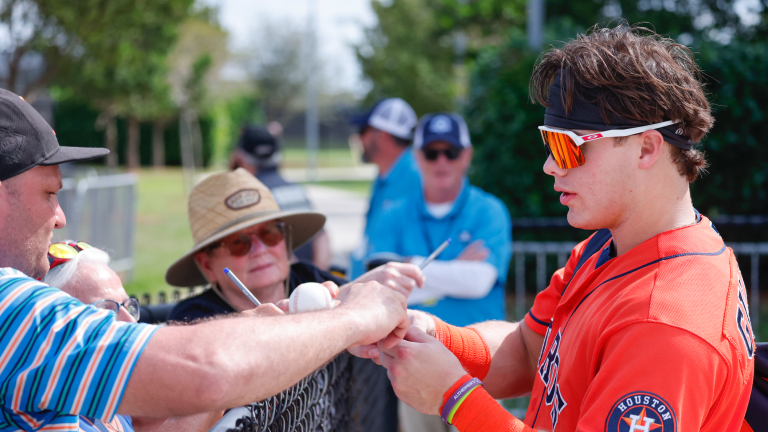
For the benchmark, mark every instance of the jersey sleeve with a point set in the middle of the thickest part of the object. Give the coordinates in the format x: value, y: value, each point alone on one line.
x: 654, y: 376
x: 61, y: 358
x: 538, y: 318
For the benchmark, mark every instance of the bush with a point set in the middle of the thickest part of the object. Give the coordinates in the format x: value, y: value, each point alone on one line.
x: 75, y: 125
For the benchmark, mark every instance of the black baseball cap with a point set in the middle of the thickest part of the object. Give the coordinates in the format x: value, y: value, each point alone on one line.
x: 26, y: 139
x: 258, y: 142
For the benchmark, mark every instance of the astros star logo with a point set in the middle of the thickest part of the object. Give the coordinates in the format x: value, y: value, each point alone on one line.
x: 641, y: 411
x: 640, y: 422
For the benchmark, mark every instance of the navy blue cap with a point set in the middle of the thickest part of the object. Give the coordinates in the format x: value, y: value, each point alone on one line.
x: 444, y: 127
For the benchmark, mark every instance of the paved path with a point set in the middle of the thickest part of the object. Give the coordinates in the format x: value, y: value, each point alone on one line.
x: 345, y: 211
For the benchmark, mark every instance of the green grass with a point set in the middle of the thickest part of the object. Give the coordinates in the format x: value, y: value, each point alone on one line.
x: 362, y: 187
x: 327, y: 158
x: 162, y: 229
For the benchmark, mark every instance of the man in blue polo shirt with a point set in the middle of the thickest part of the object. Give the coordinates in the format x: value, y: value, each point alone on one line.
x: 465, y: 285
x: 386, y: 131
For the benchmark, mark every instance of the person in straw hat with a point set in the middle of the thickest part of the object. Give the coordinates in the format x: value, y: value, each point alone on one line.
x: 237, y: 224
x: 93, y: 365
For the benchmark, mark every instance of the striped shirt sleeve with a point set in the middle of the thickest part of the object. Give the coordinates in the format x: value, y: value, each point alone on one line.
x: 60, y: 358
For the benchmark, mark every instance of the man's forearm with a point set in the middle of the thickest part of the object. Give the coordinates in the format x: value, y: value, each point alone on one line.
x: 227, y: 363
x: 456, y: 278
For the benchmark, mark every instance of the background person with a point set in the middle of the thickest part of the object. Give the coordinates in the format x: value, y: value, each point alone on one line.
x: 647, y: 326
x: 386, y: 131
x: 88, y: 278
x: 237, y: 224
x: 258, y: 152
x: 137, y: 369
x: 466, y: 284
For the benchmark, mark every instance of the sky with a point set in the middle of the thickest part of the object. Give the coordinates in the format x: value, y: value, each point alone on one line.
x: 340, y: 24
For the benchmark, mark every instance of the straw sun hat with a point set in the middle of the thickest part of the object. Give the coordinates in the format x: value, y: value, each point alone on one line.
x: 226, y: 203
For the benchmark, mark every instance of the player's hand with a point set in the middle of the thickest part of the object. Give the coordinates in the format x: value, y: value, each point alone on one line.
x: 380, y: 313
x: 401, y: 277
x: 421, y: 370
x: 475, y: 251
x: 263, y: 310
x: 421, y: 320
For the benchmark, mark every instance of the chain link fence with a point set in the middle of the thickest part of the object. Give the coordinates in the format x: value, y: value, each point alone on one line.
x: 347, y: 394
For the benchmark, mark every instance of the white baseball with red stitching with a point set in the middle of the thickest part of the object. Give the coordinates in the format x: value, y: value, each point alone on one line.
x: 309, y: 296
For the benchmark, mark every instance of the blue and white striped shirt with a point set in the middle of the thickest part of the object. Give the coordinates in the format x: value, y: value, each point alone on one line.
x: 60, y: 358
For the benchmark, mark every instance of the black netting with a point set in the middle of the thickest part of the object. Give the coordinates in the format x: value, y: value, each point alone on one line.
x: 347, y: 394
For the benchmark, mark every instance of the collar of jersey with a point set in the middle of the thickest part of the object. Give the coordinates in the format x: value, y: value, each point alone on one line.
x: 701, y: 237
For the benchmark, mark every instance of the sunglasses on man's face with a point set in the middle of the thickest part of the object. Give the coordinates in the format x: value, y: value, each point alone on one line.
x: 451, y: 153
x: 565, y: 146
x: 240, y: 243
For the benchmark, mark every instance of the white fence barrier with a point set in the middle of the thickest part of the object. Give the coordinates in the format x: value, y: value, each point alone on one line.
x: 101, y: 211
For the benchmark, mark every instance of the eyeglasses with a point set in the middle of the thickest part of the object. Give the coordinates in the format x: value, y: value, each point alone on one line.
x: 452, y: 153
x: 131, y: 306
x: 61, y: 252
x: 563, y: 145
x: 238, y: 244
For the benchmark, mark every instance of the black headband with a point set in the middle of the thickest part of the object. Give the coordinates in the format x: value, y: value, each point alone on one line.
x: 586, y: 115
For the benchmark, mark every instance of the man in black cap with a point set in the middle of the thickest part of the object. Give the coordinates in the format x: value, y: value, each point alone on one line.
x: 62, y: 359
x: 29, y: 159
x: 258, y: 152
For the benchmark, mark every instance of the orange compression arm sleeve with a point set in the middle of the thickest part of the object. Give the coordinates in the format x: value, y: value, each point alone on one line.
x: 467, y: 345
x: 480, y: 412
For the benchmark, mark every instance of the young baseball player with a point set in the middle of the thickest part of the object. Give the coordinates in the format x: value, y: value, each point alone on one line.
x: 646, y: 328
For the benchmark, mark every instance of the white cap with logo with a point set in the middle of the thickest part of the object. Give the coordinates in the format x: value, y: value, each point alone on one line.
x: 393, y: 116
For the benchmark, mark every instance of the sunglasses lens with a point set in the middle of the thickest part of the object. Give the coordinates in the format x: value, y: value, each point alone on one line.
x: 452, y: 153
x: 431, y: 154
x: 62, y: 251
x: 563, y: 150
x: 272, y: 235
x: 239, y: 245
x: 83, y: 245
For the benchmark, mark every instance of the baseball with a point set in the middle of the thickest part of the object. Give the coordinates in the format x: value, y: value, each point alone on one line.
x: 308, y: 297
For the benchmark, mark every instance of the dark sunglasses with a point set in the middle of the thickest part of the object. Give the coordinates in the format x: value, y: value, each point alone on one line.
x: 452, y: 153
x: 238, y: 244
x: 131, y: 306
x: 61, y: 252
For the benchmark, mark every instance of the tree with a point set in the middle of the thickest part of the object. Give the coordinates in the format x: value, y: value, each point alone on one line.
x: 120, y: 63
x: 278, y: 71
x: 409, y: 54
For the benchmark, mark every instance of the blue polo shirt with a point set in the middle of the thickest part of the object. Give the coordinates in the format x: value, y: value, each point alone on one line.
x: 403, y: 178
x: 407, y: 229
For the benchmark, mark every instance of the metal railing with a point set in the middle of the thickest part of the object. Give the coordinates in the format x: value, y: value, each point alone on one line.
x: 745, y: 253
x: 101, y: 210
x: 753, y: 250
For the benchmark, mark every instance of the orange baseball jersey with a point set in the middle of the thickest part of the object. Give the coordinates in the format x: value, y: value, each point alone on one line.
x: 657, y: 339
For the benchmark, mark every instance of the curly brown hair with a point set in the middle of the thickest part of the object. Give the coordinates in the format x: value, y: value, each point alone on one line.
x: 642, y: 77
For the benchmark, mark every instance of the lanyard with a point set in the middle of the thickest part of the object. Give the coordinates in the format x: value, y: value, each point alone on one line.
x: 451, y: 221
